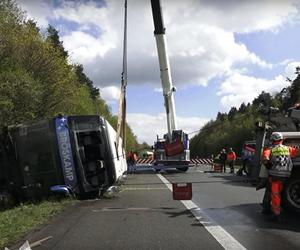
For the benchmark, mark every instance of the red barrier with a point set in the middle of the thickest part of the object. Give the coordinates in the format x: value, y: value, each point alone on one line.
x: 182, y: 191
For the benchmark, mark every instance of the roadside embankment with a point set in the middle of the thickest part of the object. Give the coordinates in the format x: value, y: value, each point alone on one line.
x: 16, y: 222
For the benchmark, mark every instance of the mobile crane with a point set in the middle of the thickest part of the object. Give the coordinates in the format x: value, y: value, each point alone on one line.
x: 173, y: 149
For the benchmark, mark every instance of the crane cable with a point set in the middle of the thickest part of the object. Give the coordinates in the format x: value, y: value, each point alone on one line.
x: 121, y: 125
x: 207, y: 127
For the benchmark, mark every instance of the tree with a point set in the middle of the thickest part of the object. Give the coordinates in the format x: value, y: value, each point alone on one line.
x: 54, y: 40
x: 18, y: 97
x: 221, y: 116
x: 291, y: 95
x: 264, y: 99
x: 232, y: 112
x: 84, y: 80
x: 243, y: 108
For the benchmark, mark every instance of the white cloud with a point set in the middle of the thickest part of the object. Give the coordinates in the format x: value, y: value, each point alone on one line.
x: 85, y: 48
x: 39, y: 10
x: 110, y: 93
x: 201, y: 44
x: 159, y: 90
x: 290, y: 69
x: 285, y: 62
x: 146, y: 126
x: 239, y: 88
x: 83, y: 12
x: 238, y: 16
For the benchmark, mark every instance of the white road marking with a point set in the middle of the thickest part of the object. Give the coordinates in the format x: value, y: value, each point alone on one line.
x: 219, y: 233
x: 145, y: 188
x: 117, y: 209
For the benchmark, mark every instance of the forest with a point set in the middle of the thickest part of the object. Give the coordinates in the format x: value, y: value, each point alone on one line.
x: 37, y: 80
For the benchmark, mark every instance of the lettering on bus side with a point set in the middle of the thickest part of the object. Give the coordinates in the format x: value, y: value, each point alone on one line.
x: 65, y: 152
x: 66, y: 155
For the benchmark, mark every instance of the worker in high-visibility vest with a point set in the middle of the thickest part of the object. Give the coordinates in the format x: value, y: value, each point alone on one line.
x: 277, y: 158
x: 231, y: 157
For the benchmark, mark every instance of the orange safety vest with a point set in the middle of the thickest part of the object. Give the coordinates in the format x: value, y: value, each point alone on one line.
x: 231, y: 156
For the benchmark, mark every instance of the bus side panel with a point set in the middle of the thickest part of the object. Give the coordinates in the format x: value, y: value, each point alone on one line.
x: 36, y: 160
x: 118, y: 154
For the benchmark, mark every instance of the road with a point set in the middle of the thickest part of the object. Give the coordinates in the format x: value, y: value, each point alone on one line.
x: 224, y: 213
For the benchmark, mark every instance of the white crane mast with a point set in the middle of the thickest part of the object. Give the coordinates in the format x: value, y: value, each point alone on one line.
x: 164, y: 65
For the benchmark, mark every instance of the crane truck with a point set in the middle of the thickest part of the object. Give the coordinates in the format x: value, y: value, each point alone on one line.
x: 173, y: 149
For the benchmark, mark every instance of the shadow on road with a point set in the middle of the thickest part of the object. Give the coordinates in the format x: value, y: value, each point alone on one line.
x: 180, y: 213
x: 243, y: 215
x: 187, y: 214
x: 150, y: 170
x: 250, y: 214
x: 233, y: 180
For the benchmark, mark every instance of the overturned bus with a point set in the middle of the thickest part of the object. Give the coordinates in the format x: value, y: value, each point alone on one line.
x: 76, y: 154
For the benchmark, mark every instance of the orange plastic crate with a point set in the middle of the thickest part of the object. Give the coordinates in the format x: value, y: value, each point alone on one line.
x: 182, y: 191
x: 217, y: 168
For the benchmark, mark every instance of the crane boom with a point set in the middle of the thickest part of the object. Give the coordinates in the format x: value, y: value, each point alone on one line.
x: 165, y: 73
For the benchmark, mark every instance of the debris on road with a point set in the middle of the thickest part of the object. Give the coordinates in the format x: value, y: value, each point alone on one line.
x: 27, y: 246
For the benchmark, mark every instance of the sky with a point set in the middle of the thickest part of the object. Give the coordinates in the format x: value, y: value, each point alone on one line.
x: 222, y: 53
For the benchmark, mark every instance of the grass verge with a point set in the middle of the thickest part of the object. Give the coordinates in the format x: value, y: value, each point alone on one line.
x: 16, y: 222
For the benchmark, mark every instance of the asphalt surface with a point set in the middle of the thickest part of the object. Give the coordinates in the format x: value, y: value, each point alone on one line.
x: 143, y: 215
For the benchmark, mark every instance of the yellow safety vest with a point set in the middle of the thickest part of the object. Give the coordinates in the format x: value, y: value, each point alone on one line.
x: 281, y: 161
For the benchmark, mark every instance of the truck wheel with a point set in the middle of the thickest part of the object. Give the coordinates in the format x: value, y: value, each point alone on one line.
x: 184, y: 169
x: 291, y: 194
